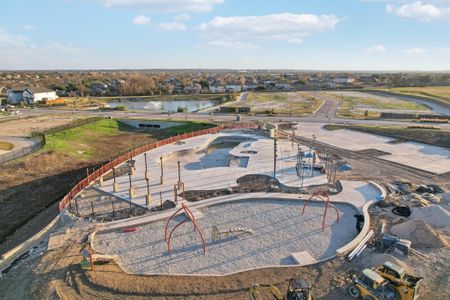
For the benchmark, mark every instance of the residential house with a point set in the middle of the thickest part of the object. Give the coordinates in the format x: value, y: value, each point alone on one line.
x: 30, y: 95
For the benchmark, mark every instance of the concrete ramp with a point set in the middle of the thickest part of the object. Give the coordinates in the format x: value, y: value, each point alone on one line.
x: 303, y: 258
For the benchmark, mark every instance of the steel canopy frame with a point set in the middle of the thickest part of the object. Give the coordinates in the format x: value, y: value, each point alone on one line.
x: 321, y: 195
x: 189, y: 217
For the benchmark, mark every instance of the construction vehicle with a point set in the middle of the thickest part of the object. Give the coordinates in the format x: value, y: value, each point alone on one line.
x: 406, y: 285
x: 371, y: 286
x: 298, y: 289
x: 255, y: 290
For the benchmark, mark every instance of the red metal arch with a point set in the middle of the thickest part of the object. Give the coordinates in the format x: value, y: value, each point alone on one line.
x: 321, y: 195
x: 189, y: 217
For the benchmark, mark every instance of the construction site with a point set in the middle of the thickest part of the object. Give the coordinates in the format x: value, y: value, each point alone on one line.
x: 249, y: 210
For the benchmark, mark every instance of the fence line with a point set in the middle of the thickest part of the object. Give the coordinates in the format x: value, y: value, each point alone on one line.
x: 13, y: 155
x: 127, y: 156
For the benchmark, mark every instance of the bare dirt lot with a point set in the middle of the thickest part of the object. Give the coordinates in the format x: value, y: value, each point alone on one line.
x: 25, y: 126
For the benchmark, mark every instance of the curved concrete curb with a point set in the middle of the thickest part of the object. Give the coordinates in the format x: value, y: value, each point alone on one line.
x: 13, y: 254
x: 365, y: 230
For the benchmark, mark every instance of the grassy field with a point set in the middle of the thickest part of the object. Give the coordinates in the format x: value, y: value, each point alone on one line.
x: 80, y: 102
x: 421, y: 135
x: 50, y: 173
x: 440, y: 93
x: 6, y: 146
x: 354, y: 105
x: 83, y: 141
x: 298, y: 103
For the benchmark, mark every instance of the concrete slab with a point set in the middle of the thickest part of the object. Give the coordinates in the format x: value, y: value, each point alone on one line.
x: 303, y: 258
x: 422, y: 156
x: 202, y: 169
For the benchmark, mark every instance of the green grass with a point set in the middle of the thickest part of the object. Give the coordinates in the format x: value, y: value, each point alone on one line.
x: 421, y: 135
x: 6, y: 146
x: 82, y: 141
x: 440, y: 93
x: 298, y: 103
x: 356, y: 106
x: 76, y: 141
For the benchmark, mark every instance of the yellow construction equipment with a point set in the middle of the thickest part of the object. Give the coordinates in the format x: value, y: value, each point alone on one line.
x: 406, y: 285
x: 386, y: 282
x: 298, y: 289
x: 371, y: 286
x: 256, y: 291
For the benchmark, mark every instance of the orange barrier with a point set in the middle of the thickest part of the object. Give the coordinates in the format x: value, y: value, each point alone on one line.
x: 121, y: 159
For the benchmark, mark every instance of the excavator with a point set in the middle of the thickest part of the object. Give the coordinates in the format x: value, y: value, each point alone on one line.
x: 298, y: 289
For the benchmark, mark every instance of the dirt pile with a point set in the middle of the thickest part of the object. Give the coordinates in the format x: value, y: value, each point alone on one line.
x: 433, y: 215
x: 419, y: 233
x: 380, y: 258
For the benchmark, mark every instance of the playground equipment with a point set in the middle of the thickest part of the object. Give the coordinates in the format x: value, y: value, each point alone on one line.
x: 322, y: 195
x: 216, y: 234
x: 189, y: 217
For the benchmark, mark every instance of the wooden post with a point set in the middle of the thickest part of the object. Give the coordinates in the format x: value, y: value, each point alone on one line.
x: 92, y: 207
x: 179, y: 172
x: 147, y: 175
x: 162, y: 170
x: 275, y: 155
x: 160, y: 198
x: 115, y: 184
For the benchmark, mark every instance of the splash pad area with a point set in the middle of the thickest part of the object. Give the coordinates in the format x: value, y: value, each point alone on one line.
x: 277, y: 230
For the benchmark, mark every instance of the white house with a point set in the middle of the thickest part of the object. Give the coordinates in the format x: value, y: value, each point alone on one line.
x: 30, y: 95
x: 216, y: 88
x: 233, y: 87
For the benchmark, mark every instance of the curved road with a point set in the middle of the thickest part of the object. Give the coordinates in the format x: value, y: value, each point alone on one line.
x: 435, y: 105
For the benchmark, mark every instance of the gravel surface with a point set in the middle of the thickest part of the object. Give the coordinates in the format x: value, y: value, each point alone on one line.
x: 278, y: 230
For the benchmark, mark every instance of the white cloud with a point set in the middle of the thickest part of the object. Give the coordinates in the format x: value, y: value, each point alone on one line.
x: 291, y: 28
x: 230, y: 44
x: 423, y: 11
x: 195, y: 6
x: 376, y: 49
x: 20, y: 52
x: 415, y: 51
x: 28, y: 27
x: 182, y: 18
x: 172, y: 26
x: 141, y: 20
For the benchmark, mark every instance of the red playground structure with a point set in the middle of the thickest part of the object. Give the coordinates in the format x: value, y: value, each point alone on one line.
x: 322, y: 195
x: 189, y: 217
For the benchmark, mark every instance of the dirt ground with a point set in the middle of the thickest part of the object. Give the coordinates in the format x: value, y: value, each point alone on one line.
x: 26, y: 125
x: 33, y: 184
x: 57, y: 274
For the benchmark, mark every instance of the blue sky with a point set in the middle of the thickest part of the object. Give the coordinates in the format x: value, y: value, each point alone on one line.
x: 263, y: 34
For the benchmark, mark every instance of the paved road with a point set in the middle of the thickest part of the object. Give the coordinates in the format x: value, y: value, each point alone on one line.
x: 434, y: 105
x: 329, y: 107
x: 219, y: 117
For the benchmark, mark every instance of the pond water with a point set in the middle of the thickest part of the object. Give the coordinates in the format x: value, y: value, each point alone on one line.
x: 164, y: 106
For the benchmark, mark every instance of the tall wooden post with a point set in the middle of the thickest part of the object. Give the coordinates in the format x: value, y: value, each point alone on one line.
x: 275, y: 155
x: 179, y: 172
x: 162, y: 170
x: 147, y: 174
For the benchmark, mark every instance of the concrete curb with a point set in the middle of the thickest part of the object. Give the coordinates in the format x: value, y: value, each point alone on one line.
x: 13, y: 254
x: 365, y: 209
